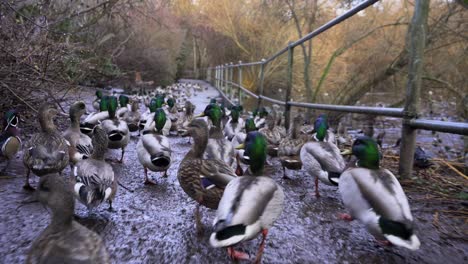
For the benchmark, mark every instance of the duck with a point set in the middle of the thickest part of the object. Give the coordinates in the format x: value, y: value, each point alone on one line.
x: 329, y: 135
x: 124, y: 102
x: 321, y: 158
x: 172, y: 113
x: 153, y: 149
x: 235, y: 123
x: 81, y: 145
x: 250, y: 204
x: 259, y: 116
x: 93, y: 178
x: 93, y: 119
x: 156, y: 103
x: 202, y: 179
x: 97, y: 101
x: 187, y: 117
x: 218, y: 146
x: 375, y: 198
x: 64, y: 240
x: 47, y: 151
x: 133, y: 116
x: 117, y: 130
x: 10, y: 142
x: 290, y: 147
x: 272, y: 135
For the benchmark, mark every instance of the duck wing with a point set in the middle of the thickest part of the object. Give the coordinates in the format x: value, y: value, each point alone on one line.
x: 217, y: 172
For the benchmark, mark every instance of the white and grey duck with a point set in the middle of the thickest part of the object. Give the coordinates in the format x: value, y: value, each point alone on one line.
x: 64, y: 240
x: 117, y: 130
x: 154, y: 149
x: 321, y: 158
x: 203, y: 179
x: 47, y: 151
x: 10, y: 142
x: 94, y: 179
x: 95, y: 118
x: 250, y: 204
x: 235, y: 124
x: 218, y: 146
x: 374, y: 196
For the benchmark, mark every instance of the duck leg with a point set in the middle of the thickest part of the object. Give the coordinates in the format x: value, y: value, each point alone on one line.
x: 121, y: 157
x: 198, y: 217
x: 4, y: 170
x: 317, y: 194
x: 237, y: 255
x: 28, y: 186
x: 239, y: 171
x: 110, y: 209
x: 147, y: 180
x: 165, y: 174
x: 284, y: 174
x: 346, y: 217
x: 258, y: 258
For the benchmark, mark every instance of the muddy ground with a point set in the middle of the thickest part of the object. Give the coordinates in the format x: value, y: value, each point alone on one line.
x: 154, y: 224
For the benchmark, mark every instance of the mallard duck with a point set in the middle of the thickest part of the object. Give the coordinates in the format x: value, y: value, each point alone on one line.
x: 272, y: 135
x: 218, y: 146
x: 132, y: 117
x: 97, y: 101
x: 238, y: 139
x: 235, y: 123
x: 203, y: 179
x: 289, y: 148
x: 156, y: 103
x: 94, y: 180
x: 93, y: 119
x: 64, y: 240
x: 47, y: 151
x: 123, y: 109
x: 10, y: 142
x: 321, y: 158
x: 329, y: 135
x: 183, y: 122
x: 81, y: 146
x: 259, y: 116
x: 172, y: 113
x: 154, y: 149
x: 117, y: 130
x: 374, y: 196
x: 250, y: 204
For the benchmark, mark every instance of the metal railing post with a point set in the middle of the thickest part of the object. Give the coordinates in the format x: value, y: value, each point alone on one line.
x: 231, y: 69
x: 417, y: 39
x: 260, y: 87
x: 239, y: 90
x: 217, y: 77
x: 287, y: 110
x: 226, y: 77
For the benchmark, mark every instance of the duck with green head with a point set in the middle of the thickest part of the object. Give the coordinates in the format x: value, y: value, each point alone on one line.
x: 374, y: 196
x: 218, y: 146
x: 10, y: 142
x: 47, y: 151
x: 321, y: 158
x: 238, y: 139
x: 93, y: 119
x: 81, y: 145
x: 203, y: 179
x: 156, y: 103
x: 153, y: 149
x: 97, y: 101
x: 325, y: 132
x: 259, y: 115
x: 235, y: 124
x: 117, y: 130
x: 250, y: 204
x: 93, y: 178
x: 124, y: 103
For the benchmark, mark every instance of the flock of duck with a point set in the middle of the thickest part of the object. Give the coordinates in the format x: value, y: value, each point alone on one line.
x: 226, y: 169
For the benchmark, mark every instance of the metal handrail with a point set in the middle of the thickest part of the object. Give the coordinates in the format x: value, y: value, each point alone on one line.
x: 409, y: 114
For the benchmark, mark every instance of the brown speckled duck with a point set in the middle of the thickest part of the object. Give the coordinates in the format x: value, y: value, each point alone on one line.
x: 202, y: 179
x: 47, y: 151
x: 289, y: 148
x: 64, y: 240
x: 81, y: 146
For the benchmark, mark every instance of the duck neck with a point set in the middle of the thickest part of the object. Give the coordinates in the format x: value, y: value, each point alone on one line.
x: 200, y: 141
x: 99, y: 150
x: 62, y: 219
x: 75, y: 121
x: 295, y: 131
x: 47, y: 124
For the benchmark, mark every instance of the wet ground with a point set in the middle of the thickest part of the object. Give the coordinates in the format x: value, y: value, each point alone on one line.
x: 154, y: 224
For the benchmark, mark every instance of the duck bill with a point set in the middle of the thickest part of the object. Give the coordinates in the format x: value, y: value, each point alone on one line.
x: 241, y: 146
x: 199, y: 115
x: 346, y: 152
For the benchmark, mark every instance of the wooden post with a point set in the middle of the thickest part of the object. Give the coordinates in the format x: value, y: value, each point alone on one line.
x: 287, y: 110
x: 260, y: 87
x: 416, y: 41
